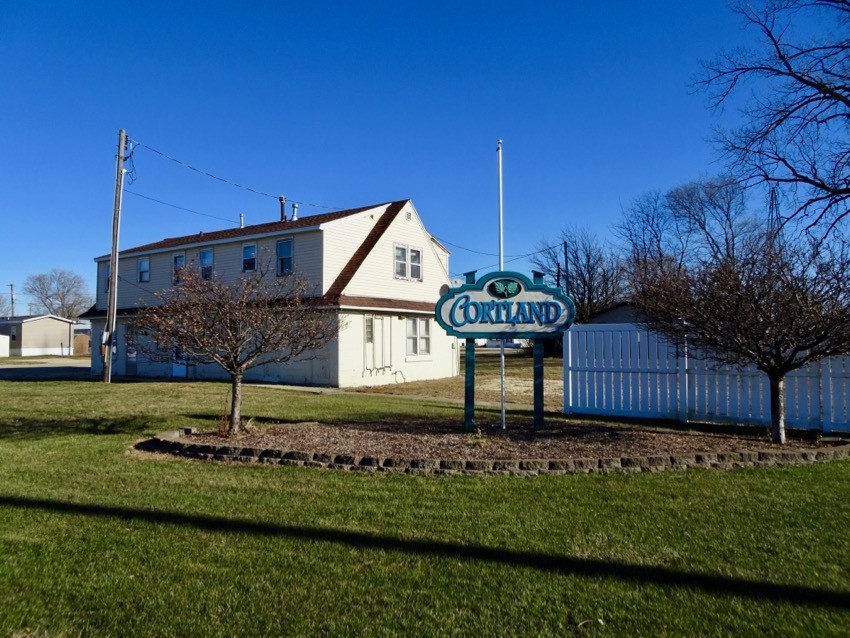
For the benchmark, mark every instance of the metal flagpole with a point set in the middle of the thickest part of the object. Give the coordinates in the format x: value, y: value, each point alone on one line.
x: 501, y: 267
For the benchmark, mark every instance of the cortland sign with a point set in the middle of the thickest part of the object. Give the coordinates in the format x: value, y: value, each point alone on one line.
x: 505, y: 305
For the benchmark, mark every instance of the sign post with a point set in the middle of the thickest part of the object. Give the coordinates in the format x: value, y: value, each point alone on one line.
x: 469, y: 382
x: 504, y: 305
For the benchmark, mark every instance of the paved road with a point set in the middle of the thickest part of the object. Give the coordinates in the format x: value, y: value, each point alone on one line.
x: 52, y: 369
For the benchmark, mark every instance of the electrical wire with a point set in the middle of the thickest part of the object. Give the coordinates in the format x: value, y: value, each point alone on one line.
x: 134, y: 284
x: 514, y: 258
x: 477, y: 252
x: 137, y: 143
x: 202, y: 171
x: 188, y: 210
x: 129, y: 163
x: 227, y: 181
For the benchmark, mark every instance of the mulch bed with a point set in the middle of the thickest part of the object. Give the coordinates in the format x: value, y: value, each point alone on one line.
x: 429, y: 441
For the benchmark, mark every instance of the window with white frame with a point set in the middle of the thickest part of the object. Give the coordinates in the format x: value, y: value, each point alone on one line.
x: 284, y: 257
x: 418, y: 336
x: 415, y: 264
x: 144, y: 269
x: 205, y: 262
x: 249, y: 257
x: 370, y: 329
x: 407, y: 262
x: 401, y: 262
x: 178, y: 263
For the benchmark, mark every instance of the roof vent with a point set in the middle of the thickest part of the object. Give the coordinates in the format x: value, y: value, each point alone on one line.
x: 294, y: 211
x: 282, y: 201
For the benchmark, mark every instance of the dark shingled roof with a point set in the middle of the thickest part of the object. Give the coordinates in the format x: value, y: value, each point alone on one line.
x: 334, y: 296
x: 256, y: 229
x: 362, y: 252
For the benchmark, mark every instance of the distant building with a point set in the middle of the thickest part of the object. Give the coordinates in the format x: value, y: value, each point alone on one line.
x: 377, y: 267
x: 623, y: 312
x: 38, y: 335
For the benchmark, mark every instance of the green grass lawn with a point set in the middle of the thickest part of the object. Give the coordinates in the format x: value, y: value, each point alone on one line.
x: 98, y: 540
x: 519, y: 377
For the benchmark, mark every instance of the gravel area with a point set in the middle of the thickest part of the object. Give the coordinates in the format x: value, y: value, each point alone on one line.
x: 429, y: 441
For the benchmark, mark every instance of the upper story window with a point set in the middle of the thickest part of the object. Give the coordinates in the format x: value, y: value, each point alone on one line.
x: 408, y: 262
x: 418, y: 336
x: 179, y: 262
x: 205, y: 261
x: 144, y: 269
x: 106, y: 278
x: 415, y: 264
x: 249, y: 257
x: 284, y: 257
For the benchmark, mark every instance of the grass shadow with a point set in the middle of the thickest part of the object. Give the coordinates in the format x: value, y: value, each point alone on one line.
x: 716, y: 584
x: 36, y: 429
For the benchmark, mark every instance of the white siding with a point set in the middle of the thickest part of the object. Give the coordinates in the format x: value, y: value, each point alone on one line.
x: 319, y: 368
x: 342, y: 238
x: 319, y: 255
x: 375, y: 278
x: 362, y: 364
x: 227, y: 263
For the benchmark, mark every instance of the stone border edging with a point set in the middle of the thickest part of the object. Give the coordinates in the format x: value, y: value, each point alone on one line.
x: 169, y: 443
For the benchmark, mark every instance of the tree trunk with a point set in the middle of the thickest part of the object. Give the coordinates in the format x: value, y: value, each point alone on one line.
x: 777, y: 408
x: 235, y: 404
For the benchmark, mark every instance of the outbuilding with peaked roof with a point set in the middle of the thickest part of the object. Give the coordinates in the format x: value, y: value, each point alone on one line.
x: 38, y: 335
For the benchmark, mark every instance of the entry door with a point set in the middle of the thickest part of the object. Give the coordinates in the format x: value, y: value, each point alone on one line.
x: 381, y: 343
x: 131, y: 354
x: 378, y: 343
x: 178, y: 364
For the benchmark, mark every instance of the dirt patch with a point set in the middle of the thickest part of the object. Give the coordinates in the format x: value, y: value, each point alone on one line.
x: 429, y: 441
x: 522, y: 387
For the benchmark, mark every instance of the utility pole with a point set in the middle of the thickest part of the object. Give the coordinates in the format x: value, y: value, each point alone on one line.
x: 12, y: 288
x: 111, y: 308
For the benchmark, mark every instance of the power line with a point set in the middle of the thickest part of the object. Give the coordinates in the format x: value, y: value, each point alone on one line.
x: 514, y: 258
x: 202, y: 171
x: 137, y: 143
x: 188, y: 210
x: 227, y: 181
x: 477, y: 252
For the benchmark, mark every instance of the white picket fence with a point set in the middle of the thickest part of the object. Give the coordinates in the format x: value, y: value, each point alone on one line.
x: 623, y: 370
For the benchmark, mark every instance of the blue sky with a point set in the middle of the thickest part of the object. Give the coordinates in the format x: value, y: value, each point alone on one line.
x: 344, y: 104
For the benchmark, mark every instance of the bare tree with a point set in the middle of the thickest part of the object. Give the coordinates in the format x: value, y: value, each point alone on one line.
x: 743, y: 292
x: 592, y: 274
x: 59, y: 292
x: 256, y: 320
x: 796, y: 89
x: 5, y: 306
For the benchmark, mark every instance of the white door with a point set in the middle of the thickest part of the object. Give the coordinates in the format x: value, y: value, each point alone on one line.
x: 378, y: 344
x: 178, y: 364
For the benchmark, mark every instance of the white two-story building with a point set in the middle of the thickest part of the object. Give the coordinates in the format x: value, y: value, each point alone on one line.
x: 377, y: 266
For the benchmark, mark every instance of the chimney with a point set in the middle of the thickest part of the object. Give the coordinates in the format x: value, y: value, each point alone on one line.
x: 282, y: 200
x: 241, y: 220
x: 294, y: 211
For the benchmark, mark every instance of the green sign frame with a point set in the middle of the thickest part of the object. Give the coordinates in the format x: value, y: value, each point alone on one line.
x: 505, y: 305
